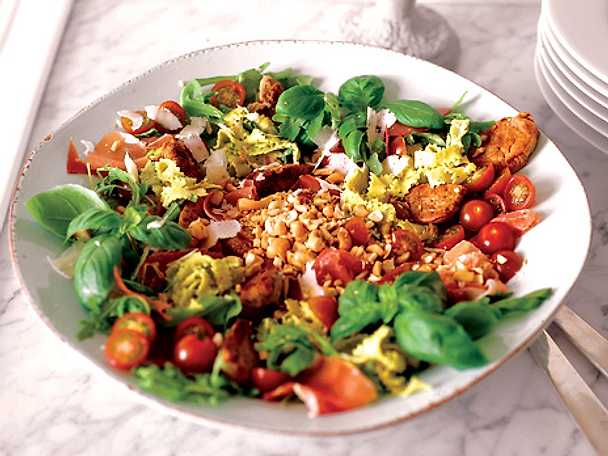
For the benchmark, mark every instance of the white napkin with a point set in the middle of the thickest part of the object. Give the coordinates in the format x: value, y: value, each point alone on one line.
x: 27, y: 53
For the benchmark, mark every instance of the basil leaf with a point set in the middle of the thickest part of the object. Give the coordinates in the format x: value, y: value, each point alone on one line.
x: 358, y: 307
x: 430, y: 280
x: 480, y: 127
x: 114, y: 175
x: 351, y: 122
x: 168, y: 236
x: 218, y: 310
x: 93, y: 273
x: 332, y: 106
x: 414, y: 113
x: 192, y: 99
x: 361, y: 91
x: 289, y: 349
x: 436, y: 339
x: 522, y: 304
x: 476, y: 317
x: 314, y: 126
x: 56, y: 208
x: 352, y: 145
x: 432, y: 138
x: 301, y: 101
x: 289, y: 129
x: 289, y: 78
x: 373, y: 163
x: 95, y: 219
x: 250, y: 79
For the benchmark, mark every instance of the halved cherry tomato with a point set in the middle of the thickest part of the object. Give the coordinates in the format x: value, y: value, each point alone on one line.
x: 126, y: 349
x: 325, y: 308
x: 500, y: 183
x: 309, y: 182
x: 508, y: 263
x: 481, y: 179
x: 398, y: 146
x: 228, y: 93
x: 519, y: 221
x: 359, y: 232
x: 519, y: 193
x: 496, y: 201
x: 174, y: 108
x: 146, y: 124
x: 194, y: 354
x: 334, y: 264
x: 450, y: 237
x: 390, y: 276
x: 75, y: 165
x: 398, y: 129
x: 475, y: 214
x: 405, y: 241
x: 267, y: 379
x: 495, y: 236
x: 136, y: 321
x: 194, y: 325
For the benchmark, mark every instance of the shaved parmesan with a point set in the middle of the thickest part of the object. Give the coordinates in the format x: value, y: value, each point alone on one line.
x: 167, y: 120
x: 155, y: 224
x: 129, y: 138
x: 131, y: 168
x: 326, y: 185
x: 340, y: 162
x: 64, y: 264
x: 223, y: 229
x: 308, y: 282
x: 395, y: 164
x: 217, y: 167
x: 378, y: 122
x: 190, y: 135
x: 137, y: 120
x: 88, y: 146
x: 151, y: 111
x: 326, y: 138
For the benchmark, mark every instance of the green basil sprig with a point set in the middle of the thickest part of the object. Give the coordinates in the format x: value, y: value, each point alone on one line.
x: 415, y: 113
x: 95, y: 219
x: 358, y: 93
x: 165, y: 235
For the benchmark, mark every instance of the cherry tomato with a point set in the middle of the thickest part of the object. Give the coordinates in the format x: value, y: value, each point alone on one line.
x: 126, y: 349
x: 495, y: 236
x: 450, y: 237
x: 337, y: 148
x: 325, y: 308
x: 398, y: 146
x: 508, y: 263
x: 519, y: 193
x: 390, y: 276
x: 500, y: 183
x: 334, y: 264
x: 475, y: 214
x: 136, y: 321
x: 194, y: 355
x: 267, y: 379
x: 174, y: 108
x: 309, y: 182
x: 404, y: 241
x: 481, y: 179
x: 496, y: 201
x: 75, y: 165
x: 228, y: 93
x: 398, y: 129
x: 519, y: 221
x: 359, y: 232
x: 146, y: 124
x: 194, y: 325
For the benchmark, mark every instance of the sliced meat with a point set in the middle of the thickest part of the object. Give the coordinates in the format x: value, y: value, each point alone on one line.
x: 277, y: 178
x: 509, y: 143
x: 176, y: 150
x: 238, y: 352
x: 238, y: 245
x: 434, y: 204
x: 152, y: 272
x: 270, y: 90
x: 263, y: 289
x: 191, y: 211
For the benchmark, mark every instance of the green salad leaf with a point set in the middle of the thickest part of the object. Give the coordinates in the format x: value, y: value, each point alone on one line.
x: 415, y: 113
x: 302, y: 102
x: 477, y: 318
x: 530, y: 301
x: 159, y: 233
x: 96, y: 219
x: 193, y: 101
x: 358, y: 307
x: 289, y: 348
x: 361, y: 91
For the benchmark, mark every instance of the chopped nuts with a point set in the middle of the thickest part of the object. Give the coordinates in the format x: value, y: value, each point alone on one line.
x: 344, y: 240
x: 360, y: 211
x: 198, y: 230
x: 277, y: 248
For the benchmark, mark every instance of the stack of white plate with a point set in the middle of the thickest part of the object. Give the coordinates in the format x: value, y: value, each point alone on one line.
x: 571, y: 65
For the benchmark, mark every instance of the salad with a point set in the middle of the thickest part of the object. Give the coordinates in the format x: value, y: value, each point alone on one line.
x: 261, y: 237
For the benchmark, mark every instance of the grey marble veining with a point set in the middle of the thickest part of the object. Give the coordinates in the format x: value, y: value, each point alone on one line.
x: 53, y: 403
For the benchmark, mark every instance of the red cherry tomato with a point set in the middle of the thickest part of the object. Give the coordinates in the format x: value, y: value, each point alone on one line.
x: 325, y: 308
x: 508, y: 263
x: 136, y: 321
x: 146, y: 124
x: 475, y: 214
x: 398, y: 146
x: 194, y: 355
x: 495, y: 236
x: 194, y: 325
x: 500, y: 183
x: 126, y: 349
x: 359, y: 232
x: 309, y: 182
x: 334, y: 264
x: 75, y: 165
x: 519, y: 193
x: 405, y: 241
x: 450, y: 237
x: 390, y: 276
x: 398, y: 129
x: 267, y: 379
x: 481, y: 179
x: 174, y: 108
x: 228, y: 93
x: 496, y: 201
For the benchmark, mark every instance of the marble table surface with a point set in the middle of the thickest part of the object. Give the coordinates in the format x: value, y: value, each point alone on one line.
x: 53, y: 403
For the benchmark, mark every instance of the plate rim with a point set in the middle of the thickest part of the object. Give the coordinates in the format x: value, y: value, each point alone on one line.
x: 220, y: 423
